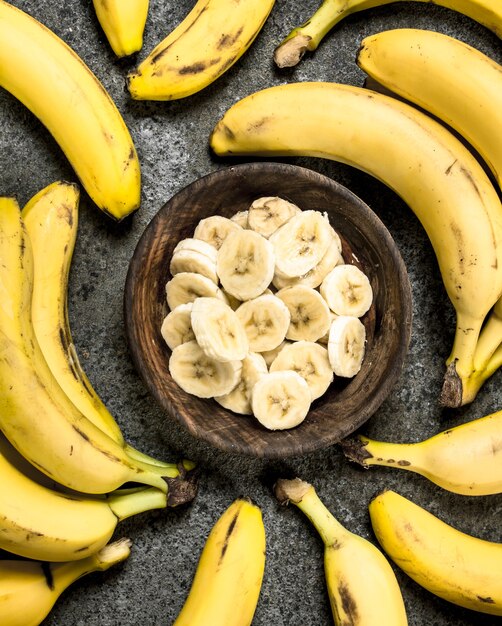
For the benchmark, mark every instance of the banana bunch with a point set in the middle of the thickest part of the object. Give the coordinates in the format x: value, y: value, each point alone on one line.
x: 211, y: 38
x: 457, y: 567
x: 362, y: 587
x: 414, y: 155
x: 227, y: 582
x: 466, y: 459
x: 29, y: 589
x: 309, y: 35
x: 48, y: 77
x: 123, y: 22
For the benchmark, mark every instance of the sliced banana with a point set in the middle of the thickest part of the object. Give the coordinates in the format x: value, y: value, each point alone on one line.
x: 218, y: 330
x: 245, y: 264
x: 177, y: 326
x: 215, y: 229
x: 241, y: 218
x: 347, y: 291
x: 346, y: 345
x: 267, y: 214
x: 266, y: 321
x: 200, y: 375
x: 310, y: 315
x: 191, y: 261
x: 187, y: 286
x: 239, y: 399
x: 270, y: 355
x: 325, y: 338
x: 314, y: 277
x: 301, y: 242
x: 280, y: 400
x: 311, y: 361
x: 196, y: 245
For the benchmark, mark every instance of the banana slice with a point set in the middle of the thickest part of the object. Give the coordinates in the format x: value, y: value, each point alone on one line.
x: 347, y: 291
x: 267, y: 214
x: 245, y: 264
x: 215, y: 229
x: 241, y: 218
x: 280, y: 400
x: 177, y: 326
x: 311, y: 361
x: 301, y: 242
x: 266, y: 321
x: 346, y: 345
x: 310, y: 315
x: 200, y: 375
x: 191, y: 261
x: 314, y: 277
x: 218, y: 330
x: 197, y: 245
x: 187, y: 286
x: 239, y: 399
x: 325, y: 338
x: 270, y: 355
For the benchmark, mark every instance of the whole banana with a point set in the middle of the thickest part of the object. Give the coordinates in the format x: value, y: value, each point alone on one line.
x: 309, y: 35
x: 466, y: 459
x: 48, y: 77
x: 362, y: 587
x: 35, y: 414
x: 415, y: 156
x: 123, y: 22
x: 455, y: 566
x: 212, y: 37
x: 42, y: 583
x: 227, y: 583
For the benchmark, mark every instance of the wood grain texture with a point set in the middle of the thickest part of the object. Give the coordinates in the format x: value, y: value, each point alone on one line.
x: 347, y: 404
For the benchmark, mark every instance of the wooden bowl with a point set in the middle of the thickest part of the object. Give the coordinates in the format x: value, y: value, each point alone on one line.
x: 347, y: 404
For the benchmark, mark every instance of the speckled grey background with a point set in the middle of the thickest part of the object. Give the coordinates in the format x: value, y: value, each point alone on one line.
x: 171, y: 139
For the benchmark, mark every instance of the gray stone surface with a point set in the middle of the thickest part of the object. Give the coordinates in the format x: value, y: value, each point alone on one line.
x: 171, y: 139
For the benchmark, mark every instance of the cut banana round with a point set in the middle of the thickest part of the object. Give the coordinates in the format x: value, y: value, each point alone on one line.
x: 271, y: 355
x: 311, y: 361
x: 241, y: 218
x: 267, y: 214
x: 346, y: 345
x: 280, y: 400
x: 314, y: 277
x: 310, y: 315
x: 191, y: 261
x: 347, y: 291
x: 218, y: 330
x: 301, y: 243
x: 200, y: 375
x: 187, y: 286
x: 215, y: 229
x: 177, y: 326
x: 265, y: 320
x: 196, y: 245
x: 239, y: 399
x: 245, y: 264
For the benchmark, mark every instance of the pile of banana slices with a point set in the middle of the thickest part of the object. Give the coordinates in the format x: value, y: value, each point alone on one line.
x: 264, y: 311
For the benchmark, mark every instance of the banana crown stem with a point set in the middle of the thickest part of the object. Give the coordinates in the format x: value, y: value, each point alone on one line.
x: 126, y: 504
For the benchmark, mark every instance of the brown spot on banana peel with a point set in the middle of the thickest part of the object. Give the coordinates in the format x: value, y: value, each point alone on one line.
x: 230, y: 530
x: 47, y: 572
x: 227, y: 40
x: 349, y: 605
x: 486, y: 600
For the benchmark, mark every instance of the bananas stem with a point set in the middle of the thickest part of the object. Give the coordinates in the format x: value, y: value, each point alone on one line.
x: 125, y: 505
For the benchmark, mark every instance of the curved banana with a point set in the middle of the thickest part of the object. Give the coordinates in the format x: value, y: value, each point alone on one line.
x: 51, y: 220
x: 362, y: 588
x: 123, y: 22
x: 455, y: 566
x: 212, y: 37
x: 35, y: 414
x: 308, y: 36
x: 227, y: 582
x: 415, y: 156
x: 42, y: 583
x: 48, y: 77
x: 466, y: 459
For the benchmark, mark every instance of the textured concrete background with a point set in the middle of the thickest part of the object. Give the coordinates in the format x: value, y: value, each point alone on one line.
x: 171, y: 139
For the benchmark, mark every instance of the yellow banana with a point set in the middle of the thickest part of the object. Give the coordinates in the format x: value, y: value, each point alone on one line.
x: 212, y: 37
x: 308, y: 36
x: 362, y: 588
x: 227, y: 583
x: 51, y: 219
x: 455, y: 566
x: 48, y: 77
x: 123, y: 22
x: 29, y: 589
x: 466, y: 459
x: 415, y: 156
x: 35, y: 414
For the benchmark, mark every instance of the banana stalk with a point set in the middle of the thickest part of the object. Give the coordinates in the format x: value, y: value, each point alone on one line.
x: 123, y: 22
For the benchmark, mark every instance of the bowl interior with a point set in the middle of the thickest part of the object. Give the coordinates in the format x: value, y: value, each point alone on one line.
x: 347, y: 404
